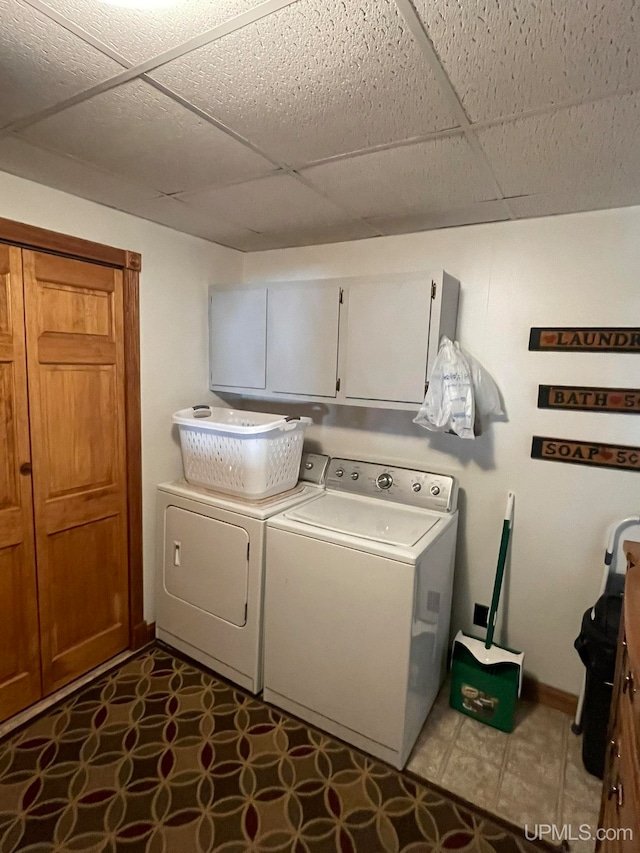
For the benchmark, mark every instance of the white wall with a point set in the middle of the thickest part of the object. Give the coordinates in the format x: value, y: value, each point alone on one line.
x: 571, y: 270
x: 579, y: 270
x: 176, y: 272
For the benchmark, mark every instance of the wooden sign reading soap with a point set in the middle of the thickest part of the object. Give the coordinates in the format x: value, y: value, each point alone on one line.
x: 616, y: 339
x: 588, y: 399
x: 586, y: 453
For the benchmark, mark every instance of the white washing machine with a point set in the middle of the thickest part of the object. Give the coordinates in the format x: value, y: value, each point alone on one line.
x: 358, y: 601
x: 210, y: 580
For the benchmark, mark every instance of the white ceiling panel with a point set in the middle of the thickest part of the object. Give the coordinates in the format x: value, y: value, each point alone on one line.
x: 41, y: 63
x: 322, y: 234
x: 137, y: 34
x: 139, y: 132
x: 184, y: 217
x: 270, y: 204
x: 508, y: 56
x: 343, y: 92
x: 484, y: 211
x: 64, y: 173
x: 548, y: 204
x: 592, y: 146
x: 404, y: 181
x: 318, y: 78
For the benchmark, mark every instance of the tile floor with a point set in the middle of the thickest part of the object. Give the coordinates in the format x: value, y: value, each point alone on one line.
x: 533, y: 775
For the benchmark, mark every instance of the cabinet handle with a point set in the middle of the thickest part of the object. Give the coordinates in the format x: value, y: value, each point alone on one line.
x: 25, y: 468
x: 176, y: 553
x: 617, y: 791
x: 614, y: 752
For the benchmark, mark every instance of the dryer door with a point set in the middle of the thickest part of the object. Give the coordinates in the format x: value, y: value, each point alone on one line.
x: 206, y: 563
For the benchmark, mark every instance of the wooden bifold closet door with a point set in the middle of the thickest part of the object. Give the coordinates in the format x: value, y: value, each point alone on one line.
x: 19, y: 636
x: 64, y: 560
x: 75, y: 367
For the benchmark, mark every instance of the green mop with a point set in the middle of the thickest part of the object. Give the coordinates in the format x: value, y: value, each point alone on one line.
x: 486, y: 678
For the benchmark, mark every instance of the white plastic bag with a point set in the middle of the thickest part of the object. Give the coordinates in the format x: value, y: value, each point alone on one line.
x: 449, y: 403
x: 485, y: 390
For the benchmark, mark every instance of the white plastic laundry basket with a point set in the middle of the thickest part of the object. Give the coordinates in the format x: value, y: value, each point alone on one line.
x: 241, y: 453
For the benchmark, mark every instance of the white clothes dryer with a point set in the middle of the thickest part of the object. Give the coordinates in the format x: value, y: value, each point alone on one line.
x: 358, y: 601
x: 210, y: 579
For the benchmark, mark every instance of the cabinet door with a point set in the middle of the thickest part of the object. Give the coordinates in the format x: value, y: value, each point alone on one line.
x: 387, y: 340
x: 19, y: 634
x: 302, y: 339
x: 75, y: 358
x: 237, y: 337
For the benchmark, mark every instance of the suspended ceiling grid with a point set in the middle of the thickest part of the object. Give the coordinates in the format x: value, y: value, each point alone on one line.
x: 293, y: 122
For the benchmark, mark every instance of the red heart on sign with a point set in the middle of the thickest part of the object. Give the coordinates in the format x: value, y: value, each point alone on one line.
x: 549, y: 339
x: 606, y: 455
x: 615, y: 399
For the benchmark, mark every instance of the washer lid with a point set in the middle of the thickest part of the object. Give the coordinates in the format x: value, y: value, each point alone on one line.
x: 366, y: 518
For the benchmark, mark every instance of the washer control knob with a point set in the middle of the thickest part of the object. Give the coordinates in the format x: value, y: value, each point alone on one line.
x: 384, y: 481
x: 416, y: 487
x: 435, y: 490
x: 355, y: 475
x: 339, y: 472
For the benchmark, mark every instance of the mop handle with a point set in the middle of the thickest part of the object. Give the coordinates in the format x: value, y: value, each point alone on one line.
x: 502, y: 559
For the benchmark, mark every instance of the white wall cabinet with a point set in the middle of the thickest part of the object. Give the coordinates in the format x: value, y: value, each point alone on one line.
x: 238, y: 338
x: 302, y: 339
x: 365, y: 341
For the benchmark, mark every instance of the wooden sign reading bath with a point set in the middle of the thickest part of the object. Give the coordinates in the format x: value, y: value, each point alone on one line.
x: 585, y: 340
x: 589, y: 399
x: 586, y: 453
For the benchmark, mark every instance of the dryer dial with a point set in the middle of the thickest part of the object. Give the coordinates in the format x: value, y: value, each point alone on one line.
x: 384, y: 481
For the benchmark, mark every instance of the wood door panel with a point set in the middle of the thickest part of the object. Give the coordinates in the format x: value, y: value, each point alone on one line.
x: 75, y: 352
x: 72, y: 310
x: 15, y: 631
x: 68, y: 272
x: 78, y: 405
x: 8, y: 473
x: 11, y: 527
x: 68, y: 511
x: 56, y: 348
x: 104, y: 605
x: 5, y: 304
x: 19, y: 639
x: 20, y: 683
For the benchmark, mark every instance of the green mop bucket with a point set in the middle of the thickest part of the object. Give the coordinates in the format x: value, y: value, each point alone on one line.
x: 486, y: 678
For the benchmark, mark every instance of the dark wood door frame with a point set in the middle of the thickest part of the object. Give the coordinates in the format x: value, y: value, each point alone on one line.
x: 31, y: 237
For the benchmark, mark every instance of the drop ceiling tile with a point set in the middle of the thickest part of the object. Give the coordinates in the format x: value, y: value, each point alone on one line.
x: 72, y: 176
x: 322, y: 234
x: 138, y: 34
x: 279, y: 203
x: 592, y: 147
x: 41, y: 63
x: 404, y: 181
x: 484, y: 211
x: 580, y: 200
x: 507, y: 56
x: 184, y: 217
x: 316, y: 79
x: 135, y: 130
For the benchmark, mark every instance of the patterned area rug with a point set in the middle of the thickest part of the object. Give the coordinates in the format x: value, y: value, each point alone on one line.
x: 160, y: 756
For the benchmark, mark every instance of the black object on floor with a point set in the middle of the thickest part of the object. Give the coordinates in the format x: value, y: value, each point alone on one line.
x: 596, y: 644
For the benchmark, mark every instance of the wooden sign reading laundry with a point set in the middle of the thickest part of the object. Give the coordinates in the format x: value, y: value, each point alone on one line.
x: 588, y: 399
x: 585, y: 340
x: 586, y: 453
